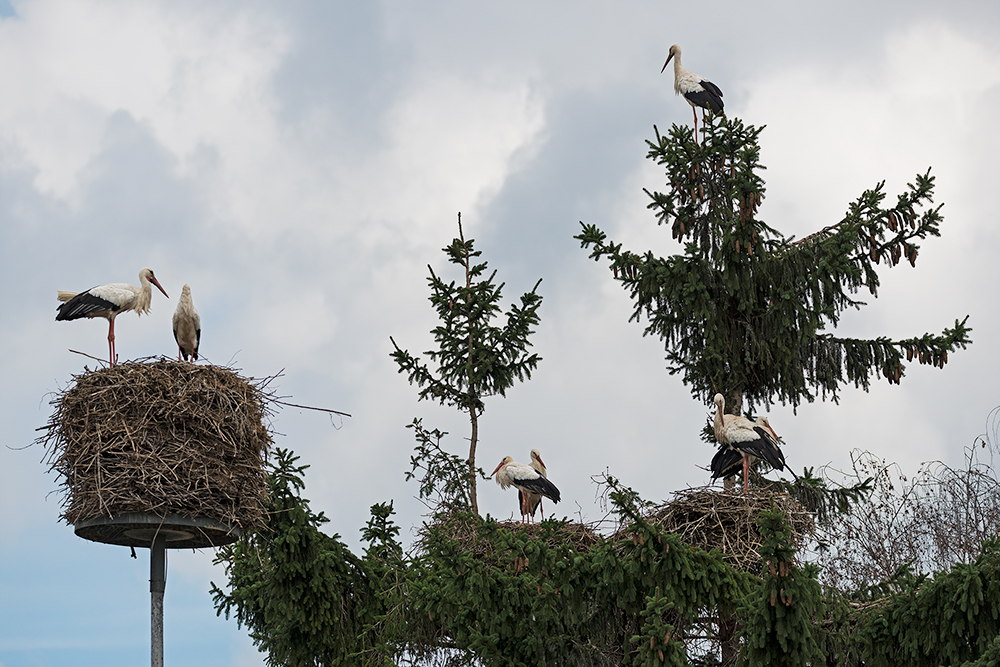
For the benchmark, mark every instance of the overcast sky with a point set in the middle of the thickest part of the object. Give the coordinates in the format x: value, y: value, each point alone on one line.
x: 300, y: 163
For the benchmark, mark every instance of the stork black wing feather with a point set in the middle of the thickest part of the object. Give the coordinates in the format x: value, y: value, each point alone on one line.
x: 541, y: 486
x: 84, y: 304
x: 724, y: 461
x: 707, y: 99
x: 711, y: 87
x: 764, y: 448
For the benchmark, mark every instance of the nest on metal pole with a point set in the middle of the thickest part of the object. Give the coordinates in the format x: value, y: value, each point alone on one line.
x: 161, y: 437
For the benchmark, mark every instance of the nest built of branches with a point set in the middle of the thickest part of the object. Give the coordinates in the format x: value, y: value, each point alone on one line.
x: 468, y: 532
x: 161, y: 437
x: 727, y: 521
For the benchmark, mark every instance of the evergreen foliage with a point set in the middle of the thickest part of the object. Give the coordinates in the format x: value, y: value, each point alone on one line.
x: 474, y: 358
x: 782, y: 614
x: 510, y: 596
x: 304, y: 597
x: 744, y: 311
x: 478, y: 592
x: 948, y: 619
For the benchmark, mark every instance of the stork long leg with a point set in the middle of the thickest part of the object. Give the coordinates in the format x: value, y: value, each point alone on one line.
x: 695, y: 112
x: 111, y: 339
x: 746, y: 472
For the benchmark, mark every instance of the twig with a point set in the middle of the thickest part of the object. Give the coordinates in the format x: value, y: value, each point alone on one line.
x: 306, y: 407
x: 89, y: 356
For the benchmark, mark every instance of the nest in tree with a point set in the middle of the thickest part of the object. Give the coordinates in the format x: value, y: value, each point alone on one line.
x: 162, y: 438
x: 727, y: 521
x: 468, y: 531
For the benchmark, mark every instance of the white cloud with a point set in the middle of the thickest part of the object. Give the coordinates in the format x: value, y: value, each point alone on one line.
x: 197, y: 78
x: 835, y: 132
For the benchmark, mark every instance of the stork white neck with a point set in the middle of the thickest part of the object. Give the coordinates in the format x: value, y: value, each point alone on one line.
x: 679, y: 71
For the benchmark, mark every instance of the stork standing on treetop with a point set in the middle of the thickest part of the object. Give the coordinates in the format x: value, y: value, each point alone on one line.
x: 696, y: 89
x: 526, y: 480
x: 727, y: 460
x: 533, y: 501
x: 748, y: 438
x: 109, y: 301
x: 187, y: 327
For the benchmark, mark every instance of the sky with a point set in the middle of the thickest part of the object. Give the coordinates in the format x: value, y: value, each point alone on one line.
x: 300, y: 164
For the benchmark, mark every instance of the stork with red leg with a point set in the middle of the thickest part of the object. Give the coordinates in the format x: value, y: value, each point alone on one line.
x: 187, y: 327
x: 696, y: 89
x: 533, y: 501
x: 526, y: 480
x: 108, y: 301
x: 743, y: 439
x: 727, y: 461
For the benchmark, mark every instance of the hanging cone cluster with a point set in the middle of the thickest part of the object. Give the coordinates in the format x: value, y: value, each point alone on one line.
x: 161, y: 437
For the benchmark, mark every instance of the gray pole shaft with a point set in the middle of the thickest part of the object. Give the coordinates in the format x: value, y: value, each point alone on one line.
x: 157, y: 584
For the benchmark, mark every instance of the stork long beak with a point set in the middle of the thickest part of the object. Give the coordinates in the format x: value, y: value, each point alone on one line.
x: 541, y: 461
x: 156, y: 282
x: 497, y: 468
x: 666, y: 63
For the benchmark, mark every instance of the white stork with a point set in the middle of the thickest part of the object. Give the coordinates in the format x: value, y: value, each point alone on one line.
x: 696, y: 89
x: 740, y: 436
x: 525, y: 479
x: 108, y: 301
x: 187, y: 327
x: 533, y: 501
x: 727, y: 460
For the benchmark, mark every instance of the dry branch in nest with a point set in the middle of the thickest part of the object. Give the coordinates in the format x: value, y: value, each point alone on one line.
x: 161, y: 437
x: 467, y: 530
x: 727, y: 521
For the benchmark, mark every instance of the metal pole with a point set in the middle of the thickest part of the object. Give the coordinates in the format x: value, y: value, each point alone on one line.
x: 157, y: 584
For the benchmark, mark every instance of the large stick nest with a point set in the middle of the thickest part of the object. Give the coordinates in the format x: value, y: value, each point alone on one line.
x: 467, y: 530
x: 727, y: 521
x: 161, y: 437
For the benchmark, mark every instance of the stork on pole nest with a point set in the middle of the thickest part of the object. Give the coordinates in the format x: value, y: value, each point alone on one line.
x: 161, y: 438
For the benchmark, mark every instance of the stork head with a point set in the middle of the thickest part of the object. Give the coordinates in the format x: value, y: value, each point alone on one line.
x: 504, y: 461
x: 766, y: 424
x: 675, y: 50
x: 720, y: 402
x: 146, y: 275
x: 537, y: 456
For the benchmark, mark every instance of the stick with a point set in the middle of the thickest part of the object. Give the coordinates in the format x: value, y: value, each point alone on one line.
x: 306, y: 407
x: 88, y: 356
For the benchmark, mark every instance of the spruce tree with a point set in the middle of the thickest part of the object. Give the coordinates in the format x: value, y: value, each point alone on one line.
x: 749, y: 313
x: 474, y: 359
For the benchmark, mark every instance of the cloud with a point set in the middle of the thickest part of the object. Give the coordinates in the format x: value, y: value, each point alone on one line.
x: 300, y: 166
x: 195, y: 78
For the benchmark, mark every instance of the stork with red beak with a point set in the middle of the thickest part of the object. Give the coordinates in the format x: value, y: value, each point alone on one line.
x: 109, y: 301
x: 525, y: 479
x: 533, y: 501
x: 696, y: 89
x: 742, y: 438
